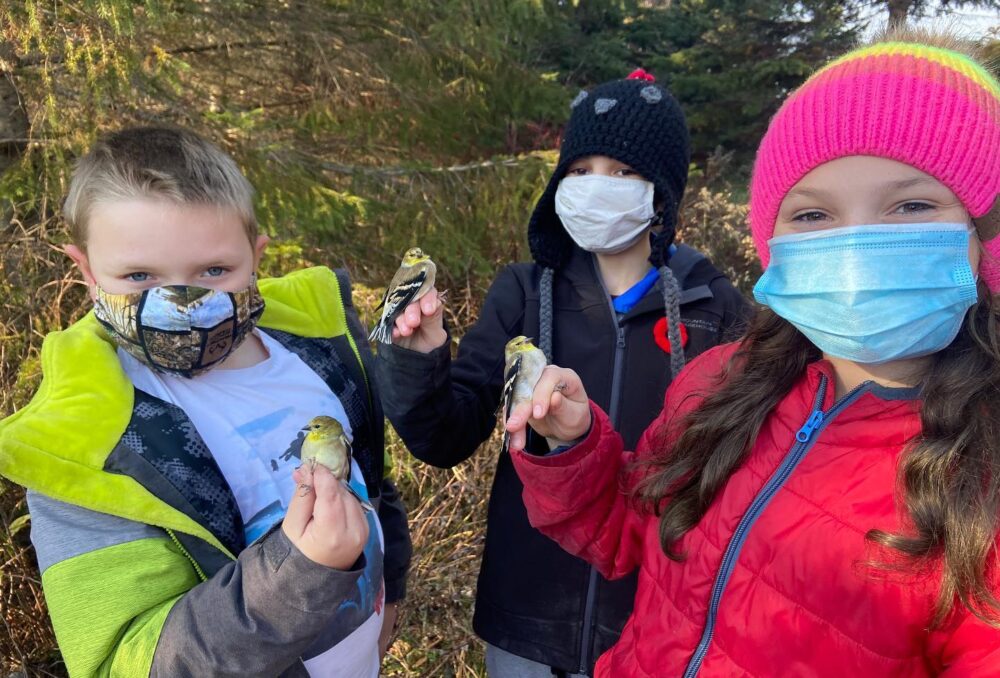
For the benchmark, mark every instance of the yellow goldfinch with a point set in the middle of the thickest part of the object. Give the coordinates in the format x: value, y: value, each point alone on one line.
x: 523, y: 368
x: 412, y: 280
x: 326, y: 443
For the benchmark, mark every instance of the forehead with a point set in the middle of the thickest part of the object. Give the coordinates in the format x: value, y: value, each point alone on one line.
x: 162, y: 230
x: 865, y: 173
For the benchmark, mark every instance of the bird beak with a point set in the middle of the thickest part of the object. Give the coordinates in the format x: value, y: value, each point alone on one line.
x: 304, y: 428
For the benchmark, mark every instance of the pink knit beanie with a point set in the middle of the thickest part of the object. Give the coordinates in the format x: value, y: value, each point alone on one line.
x: 931, y: 108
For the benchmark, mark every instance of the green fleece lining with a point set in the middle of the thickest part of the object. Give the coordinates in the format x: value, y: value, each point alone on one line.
x: 57, y: 444
x: 95, y: 596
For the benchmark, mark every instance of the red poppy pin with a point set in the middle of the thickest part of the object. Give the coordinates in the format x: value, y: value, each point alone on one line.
x: 660, y: 335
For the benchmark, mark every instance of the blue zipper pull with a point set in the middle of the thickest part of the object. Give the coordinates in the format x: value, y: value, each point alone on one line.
x: 812, y: 423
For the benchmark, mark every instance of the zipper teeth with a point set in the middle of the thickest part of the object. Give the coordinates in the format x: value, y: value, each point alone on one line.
x: 587, y: 636
x: 771, y: 488
x: 187, y: 555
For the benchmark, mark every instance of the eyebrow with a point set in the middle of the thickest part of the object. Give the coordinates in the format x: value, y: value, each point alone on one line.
x: 893, y: 186
x: 149, y: 268
x: 909, y: 183
x: 809, y: 192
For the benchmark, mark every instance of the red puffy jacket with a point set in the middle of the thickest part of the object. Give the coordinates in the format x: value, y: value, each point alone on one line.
x: 776, y: 580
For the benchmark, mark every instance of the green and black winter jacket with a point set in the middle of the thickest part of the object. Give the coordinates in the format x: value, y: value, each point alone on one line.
x: 138, y: 535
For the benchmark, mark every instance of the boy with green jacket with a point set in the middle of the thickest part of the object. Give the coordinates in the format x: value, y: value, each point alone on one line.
x: 175, y: 533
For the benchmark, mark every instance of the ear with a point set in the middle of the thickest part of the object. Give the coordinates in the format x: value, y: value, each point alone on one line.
x: 79, y: 258
x: 258, y: 249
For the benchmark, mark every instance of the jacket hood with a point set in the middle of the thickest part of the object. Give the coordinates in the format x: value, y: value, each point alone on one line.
x: 635, y: 122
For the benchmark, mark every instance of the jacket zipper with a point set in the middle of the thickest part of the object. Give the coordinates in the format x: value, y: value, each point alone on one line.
x: 613, y: 414
x: 804, y: 439
x: 197, y: 568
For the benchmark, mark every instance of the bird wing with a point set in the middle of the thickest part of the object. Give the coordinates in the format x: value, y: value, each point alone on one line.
x: 350, y: 454
x: 507, y: 400
x: 401, y: 294
x: 365, y: 504
x: 397, y: 297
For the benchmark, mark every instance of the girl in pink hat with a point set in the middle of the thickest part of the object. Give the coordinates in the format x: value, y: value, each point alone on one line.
x: 821, y: 498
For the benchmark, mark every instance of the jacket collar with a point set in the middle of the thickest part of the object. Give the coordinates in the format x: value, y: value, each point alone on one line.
x: 693, y: 271
x: 876, y: 416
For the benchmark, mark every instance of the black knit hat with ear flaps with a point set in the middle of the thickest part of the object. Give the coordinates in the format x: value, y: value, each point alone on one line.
x: 640, y: 124
x: 634, y: 121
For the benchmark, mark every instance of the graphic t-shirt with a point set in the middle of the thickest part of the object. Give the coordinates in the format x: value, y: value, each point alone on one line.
x: 251, y: 419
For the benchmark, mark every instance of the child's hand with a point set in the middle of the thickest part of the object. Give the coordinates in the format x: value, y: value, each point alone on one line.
x: 559, y: 410
x: 421, y: 326
x: 324, y: 520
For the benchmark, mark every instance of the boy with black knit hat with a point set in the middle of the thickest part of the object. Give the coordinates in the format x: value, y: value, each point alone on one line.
x: 595, y: 303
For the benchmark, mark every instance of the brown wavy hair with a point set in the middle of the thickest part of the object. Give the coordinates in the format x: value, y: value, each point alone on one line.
x: 948, y: 481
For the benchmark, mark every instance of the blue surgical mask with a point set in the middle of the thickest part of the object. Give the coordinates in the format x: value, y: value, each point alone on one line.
x: 872, y: 294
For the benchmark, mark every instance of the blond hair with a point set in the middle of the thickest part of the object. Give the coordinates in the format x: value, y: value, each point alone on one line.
x: 156, y: 162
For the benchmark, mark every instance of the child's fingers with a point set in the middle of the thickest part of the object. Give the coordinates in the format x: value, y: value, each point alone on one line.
x: 556, y: 401
x: 429, y: 302
x: 328, y: 508
x: 300, y: 508
x: 518, y: 440
x: 552, y: 379
x: 402, y: 326
x: 325, y: 482
x: 518, y: 418
x: 412, y: 315
x: 571, y: 387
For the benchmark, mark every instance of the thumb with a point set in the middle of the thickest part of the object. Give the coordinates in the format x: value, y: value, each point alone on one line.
x: 300, y: 508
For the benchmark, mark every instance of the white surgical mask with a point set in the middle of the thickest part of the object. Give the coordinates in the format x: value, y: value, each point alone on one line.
x: 605, y: 215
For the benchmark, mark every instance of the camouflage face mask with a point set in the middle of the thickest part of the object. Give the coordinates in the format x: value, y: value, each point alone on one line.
x: 180, y: 329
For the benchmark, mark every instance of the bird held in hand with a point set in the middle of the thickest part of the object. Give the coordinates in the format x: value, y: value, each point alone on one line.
x: 524, y: 363
x: 326, y: 443
x: 413, y: 279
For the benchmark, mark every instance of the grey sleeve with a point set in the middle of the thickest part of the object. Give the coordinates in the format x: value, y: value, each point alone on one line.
x: 254, y: 617
x: 61, y: 531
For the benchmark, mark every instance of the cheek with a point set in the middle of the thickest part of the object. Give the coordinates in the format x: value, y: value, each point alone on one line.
x: 781, y: 228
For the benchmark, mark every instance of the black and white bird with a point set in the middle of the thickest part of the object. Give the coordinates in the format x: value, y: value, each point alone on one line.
x: 524, y: 363
x: 412, y: 280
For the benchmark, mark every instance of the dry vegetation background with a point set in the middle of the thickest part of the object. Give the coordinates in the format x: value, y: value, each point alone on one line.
x: 367, y: 127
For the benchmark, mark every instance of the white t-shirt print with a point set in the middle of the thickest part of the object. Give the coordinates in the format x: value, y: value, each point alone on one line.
x: 250, y: 420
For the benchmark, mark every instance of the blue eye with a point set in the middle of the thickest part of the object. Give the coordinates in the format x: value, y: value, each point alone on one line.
x: 215, y: 271
x: 138, y: 277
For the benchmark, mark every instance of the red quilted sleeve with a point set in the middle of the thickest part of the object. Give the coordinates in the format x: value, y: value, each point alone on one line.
x: 576, y: 497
